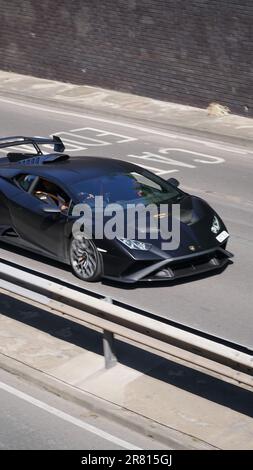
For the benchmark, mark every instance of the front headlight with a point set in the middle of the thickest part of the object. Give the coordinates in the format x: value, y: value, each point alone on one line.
x: 215, y: 228
x: 135, y: 244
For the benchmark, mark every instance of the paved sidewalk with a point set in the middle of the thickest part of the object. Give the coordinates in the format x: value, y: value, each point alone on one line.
x: 194, y: 409
x: 97, y: 100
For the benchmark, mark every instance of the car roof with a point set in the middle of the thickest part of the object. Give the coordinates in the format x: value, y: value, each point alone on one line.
x: 74, y: 169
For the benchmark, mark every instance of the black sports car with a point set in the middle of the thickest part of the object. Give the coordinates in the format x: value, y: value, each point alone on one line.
x: 38, y: 195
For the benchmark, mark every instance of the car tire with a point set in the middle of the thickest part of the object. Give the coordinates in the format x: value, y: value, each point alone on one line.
x: 86, y: 261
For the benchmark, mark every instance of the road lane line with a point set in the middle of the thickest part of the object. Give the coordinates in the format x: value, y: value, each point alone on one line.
x: 67, y: 417
x: 116, y: 122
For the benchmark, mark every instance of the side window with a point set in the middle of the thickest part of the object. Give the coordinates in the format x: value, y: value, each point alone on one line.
x: 51, y: 194
x: 25, y: 181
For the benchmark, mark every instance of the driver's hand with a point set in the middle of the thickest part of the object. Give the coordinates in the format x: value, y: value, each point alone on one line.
x: 64, y: 207
x: 41, y: 195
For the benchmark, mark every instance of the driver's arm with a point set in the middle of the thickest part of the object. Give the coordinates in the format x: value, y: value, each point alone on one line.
x: 63, y: 205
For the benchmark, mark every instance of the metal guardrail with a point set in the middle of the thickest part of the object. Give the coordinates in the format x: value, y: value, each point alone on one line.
x: 131, y: 326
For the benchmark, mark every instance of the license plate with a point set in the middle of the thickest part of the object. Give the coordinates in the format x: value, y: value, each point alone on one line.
x: 222, y: 236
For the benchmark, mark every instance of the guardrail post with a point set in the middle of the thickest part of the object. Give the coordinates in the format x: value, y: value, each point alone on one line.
x: 108, y: 346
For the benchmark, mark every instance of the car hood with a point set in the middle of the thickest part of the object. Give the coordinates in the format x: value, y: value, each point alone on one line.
x: 196, y: 218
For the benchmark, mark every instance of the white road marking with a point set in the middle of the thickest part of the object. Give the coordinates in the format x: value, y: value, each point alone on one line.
x: 116, y: 122
x: 73, y: 139
x: 83, y: 140
x: 102, y: 133
x: 147, y: 156
x: 210, y: 144
x: 214, y: 160
x: 80, y: 139
x: 67, y: 417
x: 224, y: 149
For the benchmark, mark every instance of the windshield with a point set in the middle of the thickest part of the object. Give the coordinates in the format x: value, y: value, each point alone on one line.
x: 124, y: 188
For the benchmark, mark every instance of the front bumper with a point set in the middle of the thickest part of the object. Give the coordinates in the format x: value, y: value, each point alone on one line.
x: 171, y: 269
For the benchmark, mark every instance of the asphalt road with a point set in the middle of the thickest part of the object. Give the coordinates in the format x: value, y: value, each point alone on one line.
x: 35, y: 419
x: 221, y: 173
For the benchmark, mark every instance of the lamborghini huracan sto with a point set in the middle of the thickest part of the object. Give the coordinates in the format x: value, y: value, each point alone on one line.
x: 38, y: 192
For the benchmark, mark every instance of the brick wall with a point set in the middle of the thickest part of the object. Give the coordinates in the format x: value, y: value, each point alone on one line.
x: 187, y: 51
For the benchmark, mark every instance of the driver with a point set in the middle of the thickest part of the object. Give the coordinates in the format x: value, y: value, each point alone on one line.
x: 51, y: 195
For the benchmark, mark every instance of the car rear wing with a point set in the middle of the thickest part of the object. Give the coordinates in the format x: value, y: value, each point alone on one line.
x: 36, y: 142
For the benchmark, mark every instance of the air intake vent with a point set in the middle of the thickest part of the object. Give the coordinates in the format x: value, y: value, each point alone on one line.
x: 29, y: 159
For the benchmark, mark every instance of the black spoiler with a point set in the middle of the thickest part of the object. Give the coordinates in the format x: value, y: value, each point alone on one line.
x: 14, y: 141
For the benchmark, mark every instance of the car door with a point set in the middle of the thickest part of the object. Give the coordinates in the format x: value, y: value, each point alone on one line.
x: 7, y: 190
x: 44, y: 230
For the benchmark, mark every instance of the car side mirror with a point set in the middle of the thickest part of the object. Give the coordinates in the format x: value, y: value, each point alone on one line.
x: 173, y: 181
x: 52, y: 210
